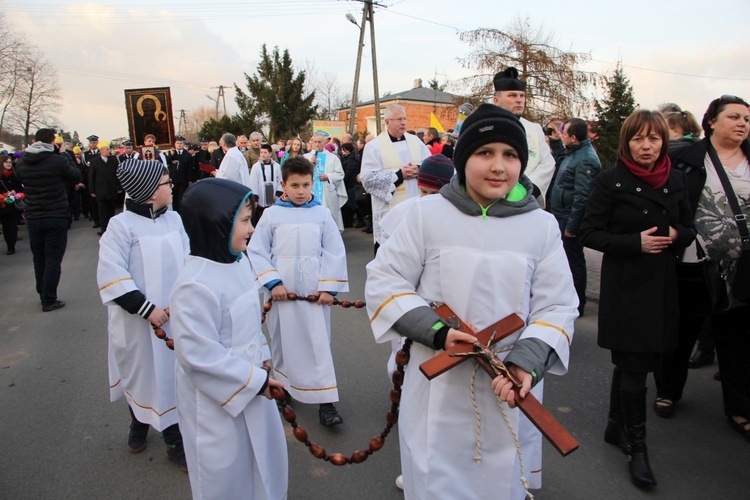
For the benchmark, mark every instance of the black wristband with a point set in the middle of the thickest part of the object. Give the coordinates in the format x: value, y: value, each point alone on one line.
x: 440, y: 337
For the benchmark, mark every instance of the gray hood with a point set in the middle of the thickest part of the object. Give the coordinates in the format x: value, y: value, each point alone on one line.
x: 40, y: 147
x: 456, y: 194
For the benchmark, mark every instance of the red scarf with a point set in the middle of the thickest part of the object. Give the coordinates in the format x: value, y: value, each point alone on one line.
x: 7, y: 173
x: 657, y: 177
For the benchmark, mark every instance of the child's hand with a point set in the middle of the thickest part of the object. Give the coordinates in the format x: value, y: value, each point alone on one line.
x: 455, y: 336
x: 505, y: 388
x: 278, y: 293
x: 157, y: 317
x: 325, y: 299
x: 272, y: 382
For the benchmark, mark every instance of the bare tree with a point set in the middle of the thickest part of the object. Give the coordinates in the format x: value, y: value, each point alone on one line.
x: 38, y: 95
x: 12, y: 48
x: 555, y: 86
x: 330, y: 96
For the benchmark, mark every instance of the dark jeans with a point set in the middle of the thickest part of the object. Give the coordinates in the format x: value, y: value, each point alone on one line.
x: 106, y: 212
x: 48, y: 239
x: 10, y: 228
x: 178, y: 190
x: 577, y: 262
x: 732, y: 335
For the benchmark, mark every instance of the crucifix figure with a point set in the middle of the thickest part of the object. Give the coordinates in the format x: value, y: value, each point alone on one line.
x: 550, y: 428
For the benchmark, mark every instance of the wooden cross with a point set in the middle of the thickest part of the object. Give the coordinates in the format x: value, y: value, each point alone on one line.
x: 550, y: 428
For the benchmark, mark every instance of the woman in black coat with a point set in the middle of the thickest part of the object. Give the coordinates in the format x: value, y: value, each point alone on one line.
x: 9, y: 212
x: 639, y: 216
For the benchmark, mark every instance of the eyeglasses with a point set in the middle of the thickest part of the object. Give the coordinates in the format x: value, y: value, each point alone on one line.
x: 165, y: 183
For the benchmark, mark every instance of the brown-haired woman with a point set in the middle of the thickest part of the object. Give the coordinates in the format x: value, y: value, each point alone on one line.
x: 639, y: 216
x: 726, y: 124
x: 295, y: 149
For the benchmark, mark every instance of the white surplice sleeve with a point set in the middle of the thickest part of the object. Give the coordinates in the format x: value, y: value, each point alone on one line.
x: 227, y: 380
x: 333, y: 272
x: 259, y: 251
x: 553, y: 303
x: 112, y: 274
x: 393, y: 277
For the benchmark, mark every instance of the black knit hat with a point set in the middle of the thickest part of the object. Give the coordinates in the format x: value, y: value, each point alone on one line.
x: 489, y: 123
x: 435, y: 171
x: 140, y: 178
x: 508, y: 80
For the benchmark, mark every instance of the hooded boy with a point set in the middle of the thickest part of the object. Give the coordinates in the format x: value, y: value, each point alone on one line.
x: 140, y: 256
x: 485, y: 248
x: 234, y: 439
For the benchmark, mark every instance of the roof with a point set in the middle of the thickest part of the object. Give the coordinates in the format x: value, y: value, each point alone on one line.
x: 423, y: 94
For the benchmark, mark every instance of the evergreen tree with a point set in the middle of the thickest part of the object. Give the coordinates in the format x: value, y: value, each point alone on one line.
x: 75, y: 139
x: 213, y: 129
x: 278, y: 94
x: 611, y: 112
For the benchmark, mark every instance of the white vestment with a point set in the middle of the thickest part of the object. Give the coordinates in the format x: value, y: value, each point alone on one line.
x: 334, y: 190
x: 483, y: 269
x: 303, y: 248
x: 234, y: 439
x: 138, y: 253
x: 541, y: 165
x: 234, y: 168
x: 261, y: 174
x: 380, y: 161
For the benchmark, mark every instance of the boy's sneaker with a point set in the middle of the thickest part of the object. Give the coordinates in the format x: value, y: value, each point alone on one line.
x: 329, y: 416
x: 137, y: 439
x: 176, y: 453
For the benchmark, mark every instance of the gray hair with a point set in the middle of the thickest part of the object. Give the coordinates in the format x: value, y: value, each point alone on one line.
x: 256, y: 135
x: 390, y: 109
x: 229, y: 140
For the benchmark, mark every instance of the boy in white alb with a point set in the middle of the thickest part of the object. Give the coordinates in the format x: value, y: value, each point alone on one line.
x: 265, y: 181
x: 234, y: 439
x: 485, y: 248
x: 140, y: 256
x: 297, y: 248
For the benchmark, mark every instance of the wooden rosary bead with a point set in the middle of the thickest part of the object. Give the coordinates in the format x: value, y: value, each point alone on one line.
x: 317, y: 450
x: 170, y: 344
x: 395, y: 396
x: 288, y: 413
x: 359, y: 304
x: 338, y: 459
x: 313, y: 298
x: 166, y: 310
x: 300, y: 434
x: 291, y: 296
x: 359, y: 456
x: 402, y: 357
x: 398, y: 378
x: 160, y: 333
x: 277, y: 393
x: 267, y: 306
x: 392, y: 418
x: 345, y: 304
x: 376, y: 443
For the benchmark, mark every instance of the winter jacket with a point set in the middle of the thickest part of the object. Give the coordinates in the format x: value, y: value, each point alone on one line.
x: 638, y: 301
x: 103, y: 178
x: 573, y: 183
x: 44, y: 174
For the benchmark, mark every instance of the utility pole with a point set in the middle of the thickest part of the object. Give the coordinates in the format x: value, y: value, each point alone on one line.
x: 182, y: 124
x: 368, y: 12
x: 374, y: 65
x: 353, y: 111
x: 219, y: 97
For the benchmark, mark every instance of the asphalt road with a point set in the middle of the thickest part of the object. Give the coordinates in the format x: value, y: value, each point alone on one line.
x: 62, y: 438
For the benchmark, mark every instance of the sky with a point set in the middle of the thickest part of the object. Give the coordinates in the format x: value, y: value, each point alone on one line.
x: 683, y: 51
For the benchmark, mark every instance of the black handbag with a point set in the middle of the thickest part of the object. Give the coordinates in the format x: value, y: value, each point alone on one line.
x: 704, y: 283
x: 740, y: 285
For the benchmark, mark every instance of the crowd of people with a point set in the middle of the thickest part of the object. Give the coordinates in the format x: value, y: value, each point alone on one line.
x: 485, y: 224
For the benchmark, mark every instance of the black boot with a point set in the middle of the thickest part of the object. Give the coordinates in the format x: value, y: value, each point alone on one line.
x: 614, y: 434
x: 634, y: 416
